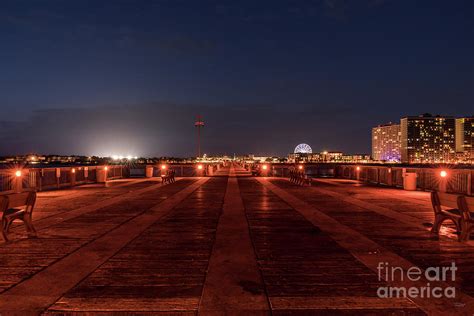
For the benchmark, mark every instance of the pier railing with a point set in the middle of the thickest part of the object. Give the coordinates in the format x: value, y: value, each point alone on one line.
x: 459, y: 181
x: 61, y: 177
x: 454, y: 181
x: 445, y: 179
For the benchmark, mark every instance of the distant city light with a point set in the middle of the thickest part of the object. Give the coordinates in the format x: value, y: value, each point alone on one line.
x: 18, y: 173
x: 443, y: 174
x: 121, y: 157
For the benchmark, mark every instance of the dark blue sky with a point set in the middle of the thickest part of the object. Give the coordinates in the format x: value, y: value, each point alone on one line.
x: 129, y: 77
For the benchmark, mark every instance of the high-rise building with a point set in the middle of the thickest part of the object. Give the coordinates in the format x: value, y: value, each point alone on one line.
x: 428, y: 139
x: 386, y: 142
x: 465, y: 138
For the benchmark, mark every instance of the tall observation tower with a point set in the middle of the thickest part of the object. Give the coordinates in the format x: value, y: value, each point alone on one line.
x: 199, y: 124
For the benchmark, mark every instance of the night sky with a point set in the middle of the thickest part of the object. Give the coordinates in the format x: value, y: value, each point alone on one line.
x: 129, y: 77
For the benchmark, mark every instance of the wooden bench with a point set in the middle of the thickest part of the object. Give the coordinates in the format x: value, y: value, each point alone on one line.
x: 299, y: 177
x: 168, y: 177
x: 456, y: 208
x: 19, y: 206
x: 466, y: 206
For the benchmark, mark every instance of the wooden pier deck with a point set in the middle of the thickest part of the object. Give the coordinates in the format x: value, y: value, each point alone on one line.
x: 230, y: 244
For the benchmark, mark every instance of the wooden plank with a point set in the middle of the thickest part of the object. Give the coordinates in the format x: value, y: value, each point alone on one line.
x: 339, y: 302
x: 44, y: 288
x: 155, y: 267
x: 371, y: 254
x: 233, y: 282
x: 104, y: 304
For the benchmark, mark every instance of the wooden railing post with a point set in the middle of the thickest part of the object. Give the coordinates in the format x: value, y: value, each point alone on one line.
x: 469, y: 183
x: 40, y: 179
x: 73, y: 177
x: 58, y: 175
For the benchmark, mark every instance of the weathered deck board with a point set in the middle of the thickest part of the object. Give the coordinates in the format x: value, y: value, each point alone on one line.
x: 416, y: 245
x: 163, y: 270
x: 173, y: 253
x: 297, y: 259
x: 25, y: 257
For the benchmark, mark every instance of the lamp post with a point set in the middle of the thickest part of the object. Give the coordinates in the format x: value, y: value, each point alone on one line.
x: 18, y: 181
x: 443, y: 174
x: 73, y: 176
x: 102, y: 174
x: 200, y: 170
x: 264, y: 170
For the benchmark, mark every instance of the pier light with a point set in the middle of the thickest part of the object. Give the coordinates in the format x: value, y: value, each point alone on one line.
x: 358, y: 168
x: 264, y: 167
x: 106, y: 168
x: 200, y: 167
x: 389, y: 170
x: 300, y: 167
x: 18, y: 173
x: 443, y: 174
x: 163, y: 167
x: 73, y: 170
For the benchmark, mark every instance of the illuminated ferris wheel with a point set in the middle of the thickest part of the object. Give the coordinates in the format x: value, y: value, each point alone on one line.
x: 303, y: 149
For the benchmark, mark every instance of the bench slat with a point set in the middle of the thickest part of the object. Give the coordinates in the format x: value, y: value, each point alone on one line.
x: 17, y: 199
x: 449, y: 200
x: 470, y: 203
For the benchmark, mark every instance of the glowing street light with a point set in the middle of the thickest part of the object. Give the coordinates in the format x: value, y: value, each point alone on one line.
x: 73, y: 170
x: 163, y: 167
x: 300, y: 167
x: 18, y: 173
x: 106, y: 168
x: 200, y: 167
x: 264, y: 167
x: 358, y: 168
x: 443, y: 174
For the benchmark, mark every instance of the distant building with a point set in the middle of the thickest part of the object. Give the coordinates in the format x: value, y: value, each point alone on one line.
x: 465, y: 138
x: 428, y: 139
x: 386, y: 143
x: 363, y: 158
x: 327, y: 156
